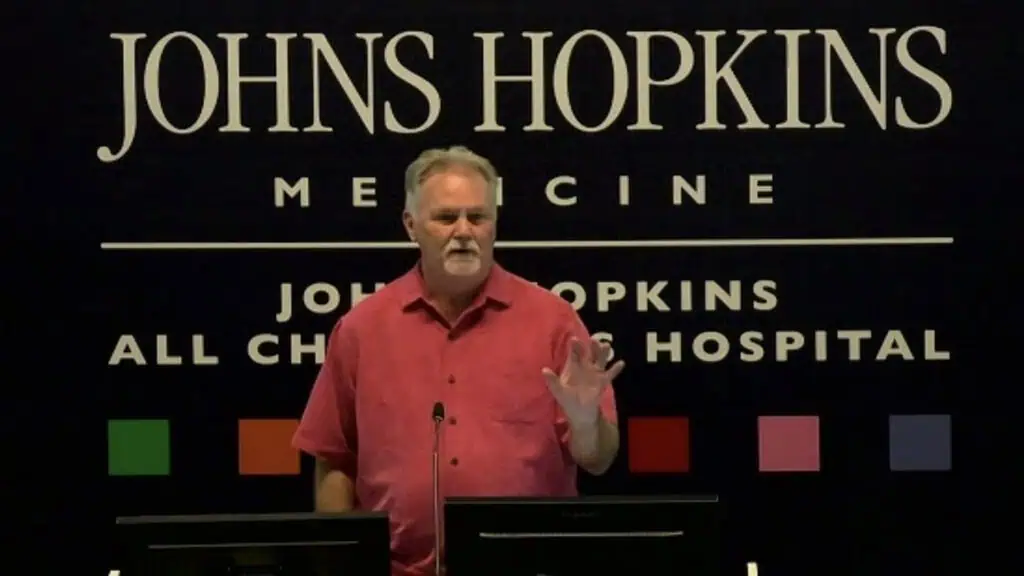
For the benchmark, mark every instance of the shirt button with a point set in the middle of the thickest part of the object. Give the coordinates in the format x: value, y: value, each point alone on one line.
x: 455, y: 461
x: 451, y: 379
x: 453, y: 421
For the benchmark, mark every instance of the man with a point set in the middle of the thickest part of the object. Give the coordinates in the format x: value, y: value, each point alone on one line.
x: 527, y: 392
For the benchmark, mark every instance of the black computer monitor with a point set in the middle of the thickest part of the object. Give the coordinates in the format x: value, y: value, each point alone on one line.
x: 354, y: 544
x: 582, y: 536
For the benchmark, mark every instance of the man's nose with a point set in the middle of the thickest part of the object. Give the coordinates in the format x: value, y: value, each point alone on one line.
x: 462, y: 227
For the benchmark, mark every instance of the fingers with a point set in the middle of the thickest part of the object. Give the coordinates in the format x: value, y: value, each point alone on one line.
x: 595, y: 352
x: 615, y: 370
x: 553, y: 380
x: 577, y: 352
x: 600, y: 353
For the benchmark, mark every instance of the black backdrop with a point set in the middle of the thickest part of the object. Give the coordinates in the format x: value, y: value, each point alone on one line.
x: 879, y: 178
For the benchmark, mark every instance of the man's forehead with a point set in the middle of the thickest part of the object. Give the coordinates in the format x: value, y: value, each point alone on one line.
x: 457, y: 207
x: 454, y: 198
x: 454, y: 189
x: 454, y: 176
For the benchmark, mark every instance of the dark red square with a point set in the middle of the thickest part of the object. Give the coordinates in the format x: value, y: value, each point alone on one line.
x: 658, y: 444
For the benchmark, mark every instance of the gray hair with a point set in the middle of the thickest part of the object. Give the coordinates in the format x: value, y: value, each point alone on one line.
x: 435, y: 159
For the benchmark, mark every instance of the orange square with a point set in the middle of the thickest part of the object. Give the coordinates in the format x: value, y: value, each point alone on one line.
x: 658, y: 444
x: 265, y: 448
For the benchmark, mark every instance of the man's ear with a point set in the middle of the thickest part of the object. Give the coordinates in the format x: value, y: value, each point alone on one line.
x: 409, y: 223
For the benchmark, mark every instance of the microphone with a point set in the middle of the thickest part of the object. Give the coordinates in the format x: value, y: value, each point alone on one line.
x: 438, y: 416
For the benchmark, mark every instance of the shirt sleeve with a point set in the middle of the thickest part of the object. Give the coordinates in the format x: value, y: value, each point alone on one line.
x: 327, y: 429
x: 571, y: 326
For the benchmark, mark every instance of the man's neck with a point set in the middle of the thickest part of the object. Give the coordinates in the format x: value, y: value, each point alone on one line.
x: 450, y: 299
x: 452, y: 308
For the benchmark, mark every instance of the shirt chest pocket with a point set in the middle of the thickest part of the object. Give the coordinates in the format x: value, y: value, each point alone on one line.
x: 520, y: 404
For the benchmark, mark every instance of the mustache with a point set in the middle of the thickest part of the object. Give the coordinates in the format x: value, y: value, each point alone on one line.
x: 471, y: 246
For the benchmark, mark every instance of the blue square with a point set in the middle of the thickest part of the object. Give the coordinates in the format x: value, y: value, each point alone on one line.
x: 920, y: 442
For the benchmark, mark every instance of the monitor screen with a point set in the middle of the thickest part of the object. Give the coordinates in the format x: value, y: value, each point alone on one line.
x: 582, y: 536
x: 255, y: 545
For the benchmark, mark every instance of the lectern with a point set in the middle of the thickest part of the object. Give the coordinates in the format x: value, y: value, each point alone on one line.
x: 254, y: 545
x: 583, y: 536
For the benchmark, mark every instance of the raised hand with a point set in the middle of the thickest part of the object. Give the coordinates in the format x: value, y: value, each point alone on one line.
x: 578, y: 388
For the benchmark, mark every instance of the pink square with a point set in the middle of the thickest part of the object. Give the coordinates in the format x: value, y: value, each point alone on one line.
x: 788, y: 444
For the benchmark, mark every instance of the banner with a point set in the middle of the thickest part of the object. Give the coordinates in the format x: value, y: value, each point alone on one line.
x: 760, y: 216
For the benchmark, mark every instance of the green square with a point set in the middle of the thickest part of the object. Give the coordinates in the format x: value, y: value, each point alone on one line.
x: 138, y: 448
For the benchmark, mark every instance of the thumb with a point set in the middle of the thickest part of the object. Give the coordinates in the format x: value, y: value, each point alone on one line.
x: 553, y: 380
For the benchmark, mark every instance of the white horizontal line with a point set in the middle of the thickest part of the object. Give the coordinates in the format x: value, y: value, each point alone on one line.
x: 603, y: 535
x: 535, y: 244
x: 307, y: 544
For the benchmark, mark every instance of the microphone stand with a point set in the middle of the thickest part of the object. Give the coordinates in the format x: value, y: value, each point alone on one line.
x: 436, y: 476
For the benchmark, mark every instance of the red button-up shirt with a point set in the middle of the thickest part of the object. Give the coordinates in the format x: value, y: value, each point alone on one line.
x: 392, y: 357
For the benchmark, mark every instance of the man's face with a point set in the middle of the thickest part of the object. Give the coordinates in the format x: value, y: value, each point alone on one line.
x: 454, y: 223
